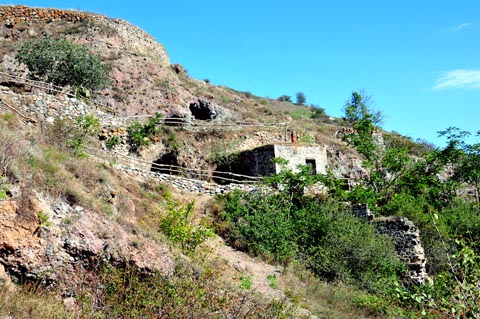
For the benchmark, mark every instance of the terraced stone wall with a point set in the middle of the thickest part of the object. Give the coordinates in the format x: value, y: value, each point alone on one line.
x: 133, y: 38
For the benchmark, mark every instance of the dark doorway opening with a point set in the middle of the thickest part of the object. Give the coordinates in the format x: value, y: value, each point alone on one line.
x: 313, y: 165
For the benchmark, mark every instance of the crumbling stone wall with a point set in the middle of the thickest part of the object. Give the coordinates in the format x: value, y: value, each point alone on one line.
x: 406, y: 238
x: 133, y: 38
x: 361, y: 211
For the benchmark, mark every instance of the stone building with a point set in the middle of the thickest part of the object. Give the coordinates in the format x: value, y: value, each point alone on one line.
x: 258, y: 161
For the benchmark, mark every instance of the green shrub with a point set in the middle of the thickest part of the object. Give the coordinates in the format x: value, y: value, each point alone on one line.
x: 327, y: 238
x: 112, y: 142
x: 83, y: 127
x: 140, y: 134
x: 62, y: 62
x: 246, y: 282
x: 339, y: 247
x: 176, y: 222
x: 3, y: 191
x: 462, y: 220
x: 285, y: 98
x: 307, y: 139
x: 454, y: 293
x: 318, y: 113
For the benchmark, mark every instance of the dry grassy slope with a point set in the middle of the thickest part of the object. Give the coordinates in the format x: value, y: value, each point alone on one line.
x: 142, y: 85
x: 145, y: 84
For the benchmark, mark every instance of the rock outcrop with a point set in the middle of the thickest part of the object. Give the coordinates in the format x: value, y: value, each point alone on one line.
x: 46, y: 243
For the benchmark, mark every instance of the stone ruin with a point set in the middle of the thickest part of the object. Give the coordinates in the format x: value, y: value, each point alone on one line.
x: 406, y: 239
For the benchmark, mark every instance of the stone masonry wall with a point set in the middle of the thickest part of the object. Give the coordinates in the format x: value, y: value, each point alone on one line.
x: 297, y: 155
x: 133, y: 38
x: 406, y: 238
x: 13, y: 15
x: 191, y: 185
x: 257, y: 161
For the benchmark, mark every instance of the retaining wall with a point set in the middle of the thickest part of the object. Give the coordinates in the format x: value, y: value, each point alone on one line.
x: 133, y: 38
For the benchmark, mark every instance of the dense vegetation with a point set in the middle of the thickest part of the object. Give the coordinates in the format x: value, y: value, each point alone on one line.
x: 320, y: 233
x: 433, y: 188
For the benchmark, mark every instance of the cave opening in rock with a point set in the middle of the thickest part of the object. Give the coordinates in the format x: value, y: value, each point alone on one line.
x: 166, y: 164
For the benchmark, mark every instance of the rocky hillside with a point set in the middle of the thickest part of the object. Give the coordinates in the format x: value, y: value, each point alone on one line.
x: 143, y: 83
x: 62, y: 215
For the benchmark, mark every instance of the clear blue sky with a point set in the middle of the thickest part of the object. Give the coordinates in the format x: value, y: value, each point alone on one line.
x: 420, y: 60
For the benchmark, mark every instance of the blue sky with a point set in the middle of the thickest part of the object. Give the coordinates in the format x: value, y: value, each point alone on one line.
x: 420, y: 60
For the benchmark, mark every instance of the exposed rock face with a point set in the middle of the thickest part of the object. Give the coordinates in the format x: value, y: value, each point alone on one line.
x: 138, y: 41
x: 346, y: 165
x: 142, y: 81
x: 50, y: 248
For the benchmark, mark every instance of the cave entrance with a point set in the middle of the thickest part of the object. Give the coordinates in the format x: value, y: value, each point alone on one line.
x: 166, y: 164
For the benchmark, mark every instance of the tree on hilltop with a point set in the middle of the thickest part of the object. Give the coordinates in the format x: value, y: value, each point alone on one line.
x: 301, y: 98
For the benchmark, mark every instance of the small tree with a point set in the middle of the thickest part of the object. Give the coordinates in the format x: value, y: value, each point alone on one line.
x: 285, y: 98
x: 301, y: 98
x: 62, y: 62
x: 363, y: 119
x: 463, y: 157
x: 87, y: 125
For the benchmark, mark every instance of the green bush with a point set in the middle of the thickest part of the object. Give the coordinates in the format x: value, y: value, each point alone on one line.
x: 112, y: 142
x: 140, y: 134
x: 318, y: 113
x: 83, y: 127
x: 322, y: 234
x: 177, y: 224
x: 62, y: 62
x: 342, y: 248
x: 284, y: 98
x: 260, y: 225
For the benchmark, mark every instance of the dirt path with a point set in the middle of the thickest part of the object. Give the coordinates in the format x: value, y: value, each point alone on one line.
x: 237, y: 267
x: 241, y: 269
